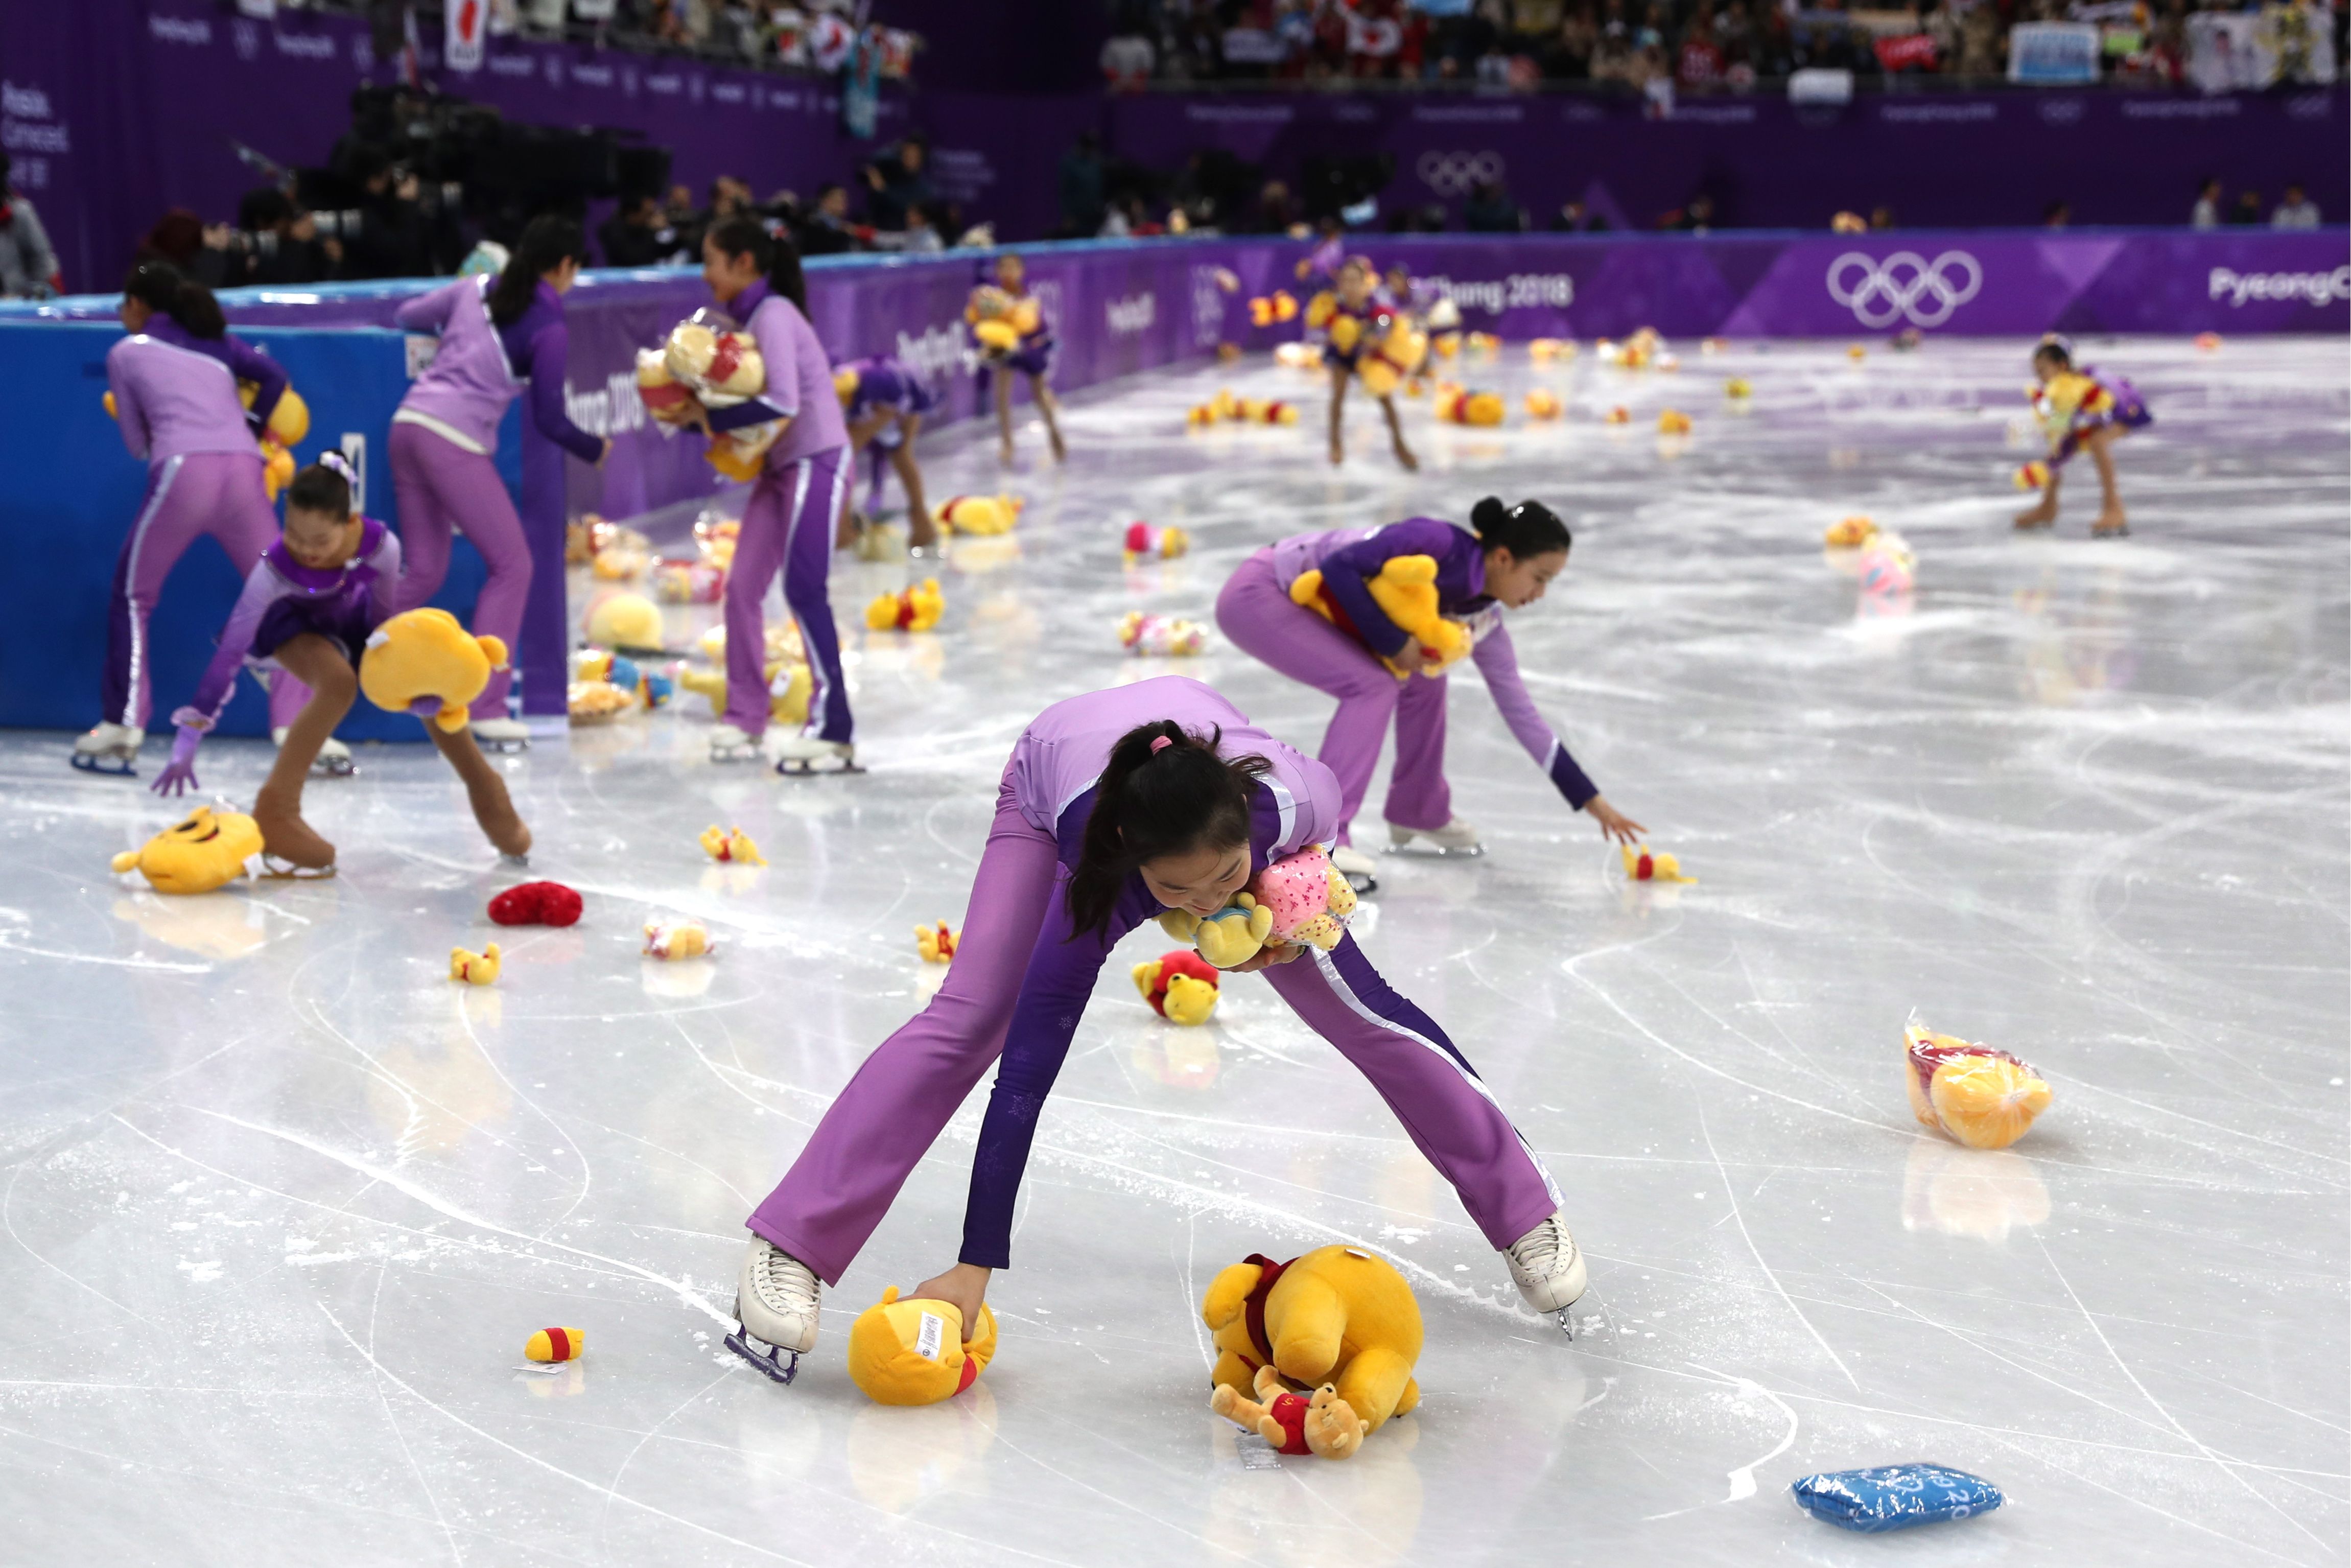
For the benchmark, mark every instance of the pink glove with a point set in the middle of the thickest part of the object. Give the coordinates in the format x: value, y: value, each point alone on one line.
x: 180, y: 773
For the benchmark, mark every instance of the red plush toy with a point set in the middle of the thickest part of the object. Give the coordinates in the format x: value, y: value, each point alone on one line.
x: 536, y: 903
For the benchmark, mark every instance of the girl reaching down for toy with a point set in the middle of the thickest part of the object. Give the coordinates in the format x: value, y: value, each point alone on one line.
x: 789, y: 522
x: 2081, y: 410
x: 174, y: 385
x: 1506, y: 565
x: 498, y: 337
x: 884, y: 400
x: 307, y: 608
x: 1009, y: 324
x: 1115, y: 807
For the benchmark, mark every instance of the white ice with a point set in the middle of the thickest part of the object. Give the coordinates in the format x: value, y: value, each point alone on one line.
x: 279, y: 1204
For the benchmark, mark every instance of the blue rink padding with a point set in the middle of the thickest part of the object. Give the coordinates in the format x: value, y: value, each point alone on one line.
x: 71, y: 491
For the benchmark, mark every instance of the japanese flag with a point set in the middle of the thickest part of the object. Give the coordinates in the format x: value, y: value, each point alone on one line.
x: 465, y: 22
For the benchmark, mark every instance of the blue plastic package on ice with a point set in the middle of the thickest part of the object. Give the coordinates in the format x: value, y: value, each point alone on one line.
x: 1894, y: 1497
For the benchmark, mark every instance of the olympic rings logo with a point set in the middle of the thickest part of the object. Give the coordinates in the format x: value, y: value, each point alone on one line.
x: 1905, y: 284
x: 1454, y: 173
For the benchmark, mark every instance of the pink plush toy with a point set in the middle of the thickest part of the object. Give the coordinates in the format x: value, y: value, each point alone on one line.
x: 1310, y: 900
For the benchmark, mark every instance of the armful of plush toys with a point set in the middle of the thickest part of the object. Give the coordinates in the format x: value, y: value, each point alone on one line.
x: 1405, y: 592
x: 1300, y: 900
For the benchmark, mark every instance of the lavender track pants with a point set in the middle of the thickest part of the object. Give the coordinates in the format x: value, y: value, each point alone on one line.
x: 871, y: 1139
x: 446, y: 490
x: 1259, y: 617
x: 196, y: 493
x: 788, y: 525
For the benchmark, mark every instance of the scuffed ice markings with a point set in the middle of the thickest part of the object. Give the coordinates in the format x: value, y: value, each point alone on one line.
x: 279, y: 1206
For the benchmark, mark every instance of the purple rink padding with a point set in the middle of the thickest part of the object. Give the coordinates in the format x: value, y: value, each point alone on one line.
x: 1122, y: 306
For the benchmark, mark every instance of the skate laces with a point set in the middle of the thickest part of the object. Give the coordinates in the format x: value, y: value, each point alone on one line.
x: 1543, y: 1251
x: 784, y: 1284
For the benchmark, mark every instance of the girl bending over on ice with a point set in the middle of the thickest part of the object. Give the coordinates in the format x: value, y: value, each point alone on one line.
x: 2081, y: 410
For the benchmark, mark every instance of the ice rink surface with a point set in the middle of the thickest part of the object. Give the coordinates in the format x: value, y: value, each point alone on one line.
x: 280, y: 1203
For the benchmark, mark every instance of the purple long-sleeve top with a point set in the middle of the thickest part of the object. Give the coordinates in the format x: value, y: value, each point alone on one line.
x: 482, y: 367
x: 176, y: 392
x: 1054, y: 768
x: 357, y: 593
x: 800, y: 380
x: 1351, y: 558
x: 885, y: 381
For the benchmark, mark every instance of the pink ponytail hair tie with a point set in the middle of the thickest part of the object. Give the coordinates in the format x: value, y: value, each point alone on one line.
x: 1160, y: 744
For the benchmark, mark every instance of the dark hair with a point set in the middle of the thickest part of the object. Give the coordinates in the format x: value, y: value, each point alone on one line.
x: 548, y: 242
x: 2055, y: 347
x: 1153, y: 800
x: 776, y: 258
x: 160, y: 286
x: 1529, y: 528
x: 177, y: 238
x: 319, y: 489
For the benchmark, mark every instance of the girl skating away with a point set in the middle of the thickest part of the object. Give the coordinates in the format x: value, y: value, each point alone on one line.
x: 497, y: 338
x: 307, y: 608
x: 1009, y: 324
x: 1351, y: 319
x: 175, y: 381
x: 2081, y: 410
x: 1506, y: 565
x: 1115, y: 805
x: 884, y: 400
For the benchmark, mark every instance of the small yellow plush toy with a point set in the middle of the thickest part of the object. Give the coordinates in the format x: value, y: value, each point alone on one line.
x: 1337, y: 1316
x: 1322, y: 1424
x: 1850, y: 533
x: 205, y: 849
x: 731, y: 845
x: 1983, y: 1098
x: 1405, y: 592
x: 1543, y: 350
x: 624, y: 621
x: 674, y: 936
x: 917, y: 609
x: 979, y: 513
x: 1673, y: 422
x: 2034, y: 475
x: 936, y: 944
x: 475, y: 968
x: 914, y: 1352
x: 1643, y: 865
x: 420, y: 656
x: 1542, y: 403
x: 1458, y: 406
x: 1738, y: 389
x: 1399, y: 352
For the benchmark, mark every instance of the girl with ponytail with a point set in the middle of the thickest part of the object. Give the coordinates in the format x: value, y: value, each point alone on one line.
x: 309, y: 607
x: 787, y: 525
x: 1506, y: 564
x: 174, y: 386
x: 498, y: 337
x: 1115, y: 807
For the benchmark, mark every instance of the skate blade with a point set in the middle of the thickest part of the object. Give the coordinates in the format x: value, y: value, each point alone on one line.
x: 2110, y: 533
x: 803, y: 768
x: 334, y: 768
x: 118, y: 766
x: 276, y: 870
x: 1361, y: 882
x: 517, y: 861
x: 741, y: 1342
x: 1437, y: 851
x: 1565, y: 1319
x: 722, y: 758
x: 502, y: 748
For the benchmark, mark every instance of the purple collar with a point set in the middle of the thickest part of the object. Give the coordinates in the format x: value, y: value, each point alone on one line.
x: 1477, y: 577
x: 315, y: 580
x: 751, y: 300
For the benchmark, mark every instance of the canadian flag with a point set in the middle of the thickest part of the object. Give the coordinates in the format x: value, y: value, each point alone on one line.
x: 466, y: 21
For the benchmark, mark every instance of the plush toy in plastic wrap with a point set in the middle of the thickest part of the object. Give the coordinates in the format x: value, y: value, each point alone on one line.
x: 1146, y: 634
x: 674, y: 936
x: 207, y: 848
x: 1983, y: 1098
x: 646, y: 686
x: 1894, y: 1497
x: 1850, y: 533
x: 1405, y: 592
x: 622, y: 619
x: 914, y: 1352
x: 597, y: 702
x: 423, y: 662
x: 979, y: 513
x: 708, y: 361
x: 915, y: 609
x: 1181, y: 985
x: 1299, y: 900
x: 677, y: 581
x: 1299, y: 356
x: 1144, y: 542
x: 1887, y: 567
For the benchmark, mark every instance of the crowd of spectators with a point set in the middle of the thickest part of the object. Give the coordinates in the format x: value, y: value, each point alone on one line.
x: 813, y: 34
x: 1697, y: 46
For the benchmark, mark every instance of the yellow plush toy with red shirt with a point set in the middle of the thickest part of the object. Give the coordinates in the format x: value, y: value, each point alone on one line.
x: 1405, y: 592
x: 1337, y: 1316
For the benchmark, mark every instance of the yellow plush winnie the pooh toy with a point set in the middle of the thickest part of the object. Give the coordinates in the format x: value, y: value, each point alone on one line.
x: 1337, y: 1316
x: 204, y: 851
x: 1405, y: 592
x: 914, y: 1352
x: 420, y: 656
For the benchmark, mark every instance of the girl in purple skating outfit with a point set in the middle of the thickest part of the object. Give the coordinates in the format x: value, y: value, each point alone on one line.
x: 175, y: 381
x: 1506, y: 565
x: 496, y: 338
x: 1115, y: 807
x: 2083, y: 409
x: 884, y: 400
x: 309, y: 608
x: 789, y: 522
x: 1032, y: 357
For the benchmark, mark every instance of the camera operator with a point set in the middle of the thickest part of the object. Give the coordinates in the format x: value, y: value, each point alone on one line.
x: 639, y: 233
x: 28, y: 264
x: 394, y: 238
x: 287, y: 249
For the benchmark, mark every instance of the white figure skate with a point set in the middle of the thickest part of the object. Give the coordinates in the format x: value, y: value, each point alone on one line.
x: 1358, y: 868
x: 507, y: 735
x: 1456, y: 840
x: 333, y: 761
x: 797, y: 756
x: 776, y: 1300
x: 728, y: 744
x: 1548, y: 1271
x: 110, y: 749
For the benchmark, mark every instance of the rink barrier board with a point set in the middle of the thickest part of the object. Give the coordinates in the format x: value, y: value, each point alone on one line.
x: 1119, y: 307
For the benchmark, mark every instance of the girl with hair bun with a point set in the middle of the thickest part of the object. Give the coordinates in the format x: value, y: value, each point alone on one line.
x: 308, y: 607
x: 1506, y: 565
x: 173, y: 383
x: 1115, y: 807
x: 498, y: 337
x: 2079, y: 409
